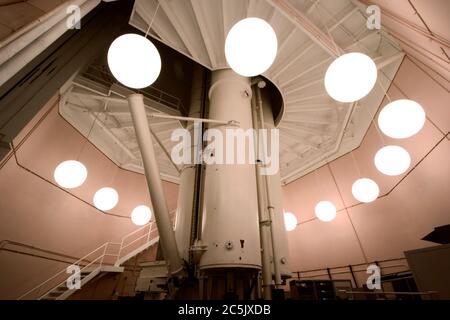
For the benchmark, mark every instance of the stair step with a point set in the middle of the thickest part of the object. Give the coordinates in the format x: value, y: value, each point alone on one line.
x: 54, y: 294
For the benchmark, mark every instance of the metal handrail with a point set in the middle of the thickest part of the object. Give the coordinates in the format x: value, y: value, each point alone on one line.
x: 84, y: 258
x: 384, y: 294
x: 137, y: 239
x: 62, y: 282
x: 157, y: 94
x: 136, y: 231
x: 62, y: 271
x: 122, y: 246
x: 391, y: 292
x: 104, y: 254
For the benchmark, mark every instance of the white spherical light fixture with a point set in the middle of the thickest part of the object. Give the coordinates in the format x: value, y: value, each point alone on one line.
x: 290, y: 221
x: 106, y: 198
x: 251, y: 47
x: 141, y: 215
x: 401, y: 119
x: 350, y: 77
x: 325, y: 211
x: 70, y: 174
x: 392, y: 160
x: 365, y: 190
x: 134, y: 61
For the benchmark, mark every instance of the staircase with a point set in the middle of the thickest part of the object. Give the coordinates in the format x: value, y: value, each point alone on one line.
x: 105, y: 259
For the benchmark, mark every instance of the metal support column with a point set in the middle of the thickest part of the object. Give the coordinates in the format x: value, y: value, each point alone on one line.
x: 152, y: 174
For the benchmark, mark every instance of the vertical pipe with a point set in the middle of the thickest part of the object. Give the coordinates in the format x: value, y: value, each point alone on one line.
x: 200, y: 173
x: 145, y: 142
x: 187, y: 204
x: 263, y: 227
x: 276, y: 193
x: 268, y: 198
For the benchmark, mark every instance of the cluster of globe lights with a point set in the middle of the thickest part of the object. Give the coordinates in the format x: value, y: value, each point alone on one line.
x: 71, y: 174
x: 250, y: 49
x: 350, y: 78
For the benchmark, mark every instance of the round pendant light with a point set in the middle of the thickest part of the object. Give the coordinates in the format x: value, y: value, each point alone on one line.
x: 106, y: 198
x: 350, y: 77
x: 70, y: 174
x: 401, y: 119
x: 134, y: 61
x: 365, y: 190
x: 325, y: 211
x: 290, y: 221
x: 392, y: 160
x: 251, y: 47
x: 141, y: 215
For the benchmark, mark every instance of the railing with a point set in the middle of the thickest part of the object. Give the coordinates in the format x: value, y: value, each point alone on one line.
x: 95, y: 259
x: 352, y: 270
x: 32, y: 251
x: 108, y: 254
x: 388, y: 295
x: 135, y: 240
x: 103, y: 77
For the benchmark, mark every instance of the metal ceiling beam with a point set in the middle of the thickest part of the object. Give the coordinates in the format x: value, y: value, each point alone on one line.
x: 171, y: 15
x: 286, y: 40
x: 298, y: 76
x: 293, y: 130
x: 111, y: 135
x: 200, y: 18
x: 309, y: 121
x: 342, y: 20
x: 150, y: 104
x: 317, y: 107
x: 307, y: 26
x: 303, y: 51
x: 309, y: 97
x: 297, y: 56
x: 295, y: 137
x: 380, y: 62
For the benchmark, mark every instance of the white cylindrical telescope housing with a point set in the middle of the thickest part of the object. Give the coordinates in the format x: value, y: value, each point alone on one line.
x: 230, y: 212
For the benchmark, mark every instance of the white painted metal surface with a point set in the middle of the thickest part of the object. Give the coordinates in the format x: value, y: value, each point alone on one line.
x: 230, y: 214
x: 20, y: 48
x: 155, y: 187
